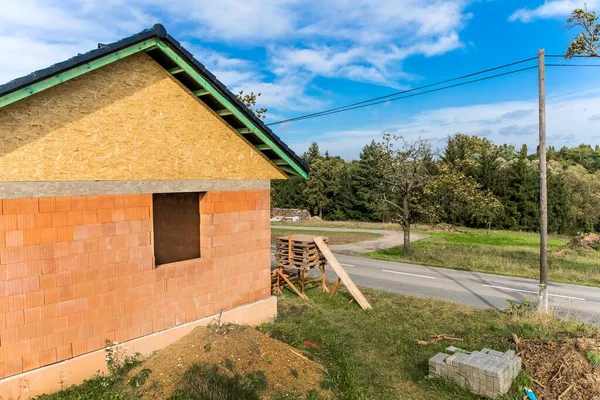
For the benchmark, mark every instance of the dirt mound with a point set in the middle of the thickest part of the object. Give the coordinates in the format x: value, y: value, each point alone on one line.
x: 236, y: 352
x: 560, y: 368
x: 444, y: 228
x: 590, y: 241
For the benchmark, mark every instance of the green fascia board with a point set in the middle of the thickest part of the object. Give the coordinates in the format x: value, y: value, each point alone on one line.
x: 227, y: 104
x: 145, y: 46
x: 75, y: 72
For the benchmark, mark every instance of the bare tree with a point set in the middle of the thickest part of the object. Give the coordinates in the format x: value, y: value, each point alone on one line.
x: 586, y: 43
x: 405, y: 172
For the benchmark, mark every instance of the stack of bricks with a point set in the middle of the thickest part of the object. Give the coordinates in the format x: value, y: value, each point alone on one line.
x: 487, y: 373
x: 77, y: 271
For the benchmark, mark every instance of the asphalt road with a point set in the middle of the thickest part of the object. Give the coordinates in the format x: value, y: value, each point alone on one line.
x: 468, y: 288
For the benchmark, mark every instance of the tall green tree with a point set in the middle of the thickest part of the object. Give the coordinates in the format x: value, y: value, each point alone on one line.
x: 367, y: 177
x: 323, y: 185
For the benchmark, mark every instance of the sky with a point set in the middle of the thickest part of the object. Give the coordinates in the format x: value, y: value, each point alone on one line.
x: 306, y: 56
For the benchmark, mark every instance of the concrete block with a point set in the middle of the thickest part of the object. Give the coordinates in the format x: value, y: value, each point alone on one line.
x: 488, y: 372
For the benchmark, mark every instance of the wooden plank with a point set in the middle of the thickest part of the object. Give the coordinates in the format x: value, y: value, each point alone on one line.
x: 175, y: 70
x: 224, y: 112
x: 244, y: 131
x: 290, y: 284
x: 341, y: 273
x: 201, y: 92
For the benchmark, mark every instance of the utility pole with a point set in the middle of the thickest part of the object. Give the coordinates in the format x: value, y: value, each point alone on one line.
x: 543, y: 293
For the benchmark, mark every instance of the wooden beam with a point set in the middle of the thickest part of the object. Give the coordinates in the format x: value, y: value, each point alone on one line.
x: 244, y: 131
x: 262, y: 146
x: 341, y: 273
x: 288, y: 170
x: 175, y: 70
x: 224, y: 112
x: 221, y: 99
x: 280, y: 162
x: 201, y: 92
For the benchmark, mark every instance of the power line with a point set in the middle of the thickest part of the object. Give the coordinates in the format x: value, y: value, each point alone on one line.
x: 572, y: 65
x: 352, y: 106
x: 360, y: 105
x: 563, y: 56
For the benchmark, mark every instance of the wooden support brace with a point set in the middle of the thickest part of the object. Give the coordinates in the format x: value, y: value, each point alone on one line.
x: 291, y: 285
x: 337, y: 283
x: 341, y: 273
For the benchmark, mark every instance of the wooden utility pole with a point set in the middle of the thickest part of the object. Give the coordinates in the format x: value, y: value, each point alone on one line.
x: 543, y: 293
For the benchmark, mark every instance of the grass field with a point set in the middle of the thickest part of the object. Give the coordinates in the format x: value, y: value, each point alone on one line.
x: 334, y: 237
x: 500, y: 252
x: 384, y: 361
x: 381, y: 362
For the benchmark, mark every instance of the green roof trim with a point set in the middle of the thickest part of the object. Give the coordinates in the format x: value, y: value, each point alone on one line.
x: 75, y: 72
x: 227, y: 104
x: 284, y: 162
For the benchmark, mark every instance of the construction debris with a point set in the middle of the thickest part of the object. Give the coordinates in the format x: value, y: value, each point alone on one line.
x: 590, y: 241
x: 487, y: 373
x: 437, y: 339
x: 560, y: 369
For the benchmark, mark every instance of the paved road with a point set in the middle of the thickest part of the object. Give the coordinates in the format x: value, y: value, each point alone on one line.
x: 469, y: 288
x: 388, y: 239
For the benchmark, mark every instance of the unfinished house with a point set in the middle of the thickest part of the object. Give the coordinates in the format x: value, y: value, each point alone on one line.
x: 134, y: 206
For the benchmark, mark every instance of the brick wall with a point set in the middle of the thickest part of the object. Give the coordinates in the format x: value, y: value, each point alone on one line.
x: 76, y: 271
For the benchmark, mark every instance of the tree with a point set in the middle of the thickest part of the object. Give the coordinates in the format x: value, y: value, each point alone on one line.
x: 586, y: 43
x: 368, y: 177
x: 322, y: 185
x: 584, y: 188
x: 452, y: 196
x: 405, y: 172
x: 312, y: 153
x: 249, y: 101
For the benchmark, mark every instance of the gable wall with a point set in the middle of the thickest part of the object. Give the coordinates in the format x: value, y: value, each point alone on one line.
x: 130, y: 120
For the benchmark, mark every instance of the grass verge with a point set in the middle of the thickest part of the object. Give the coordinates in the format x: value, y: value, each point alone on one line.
x: 373, y: 355
x: 499, y: 252
x: 334, y: 237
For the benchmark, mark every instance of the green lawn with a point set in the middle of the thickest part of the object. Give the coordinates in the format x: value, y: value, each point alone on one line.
x: 334, y: 237
x: 366, y: 355
x: 500, y: 252
x: 373, y: 355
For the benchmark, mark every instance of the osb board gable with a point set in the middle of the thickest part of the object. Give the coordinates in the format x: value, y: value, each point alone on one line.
x: 130, y: 120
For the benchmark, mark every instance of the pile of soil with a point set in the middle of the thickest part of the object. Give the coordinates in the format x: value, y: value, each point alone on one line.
x: 560, y: 369
x: 447, y: 228
x: 234, y: 350
x: 590, y: 241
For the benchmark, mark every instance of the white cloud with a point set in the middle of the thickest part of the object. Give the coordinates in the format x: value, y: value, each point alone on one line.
x: 570, y: 121
x: 551, y: 9
x: 362, y: 40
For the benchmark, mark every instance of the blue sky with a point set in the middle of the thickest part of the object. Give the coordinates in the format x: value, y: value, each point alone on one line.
x: 308, y: 55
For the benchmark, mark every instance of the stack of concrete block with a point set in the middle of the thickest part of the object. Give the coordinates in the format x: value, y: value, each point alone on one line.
x: 487, y: 373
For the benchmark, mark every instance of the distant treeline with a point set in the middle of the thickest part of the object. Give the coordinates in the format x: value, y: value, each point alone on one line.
x: 506, y: 176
